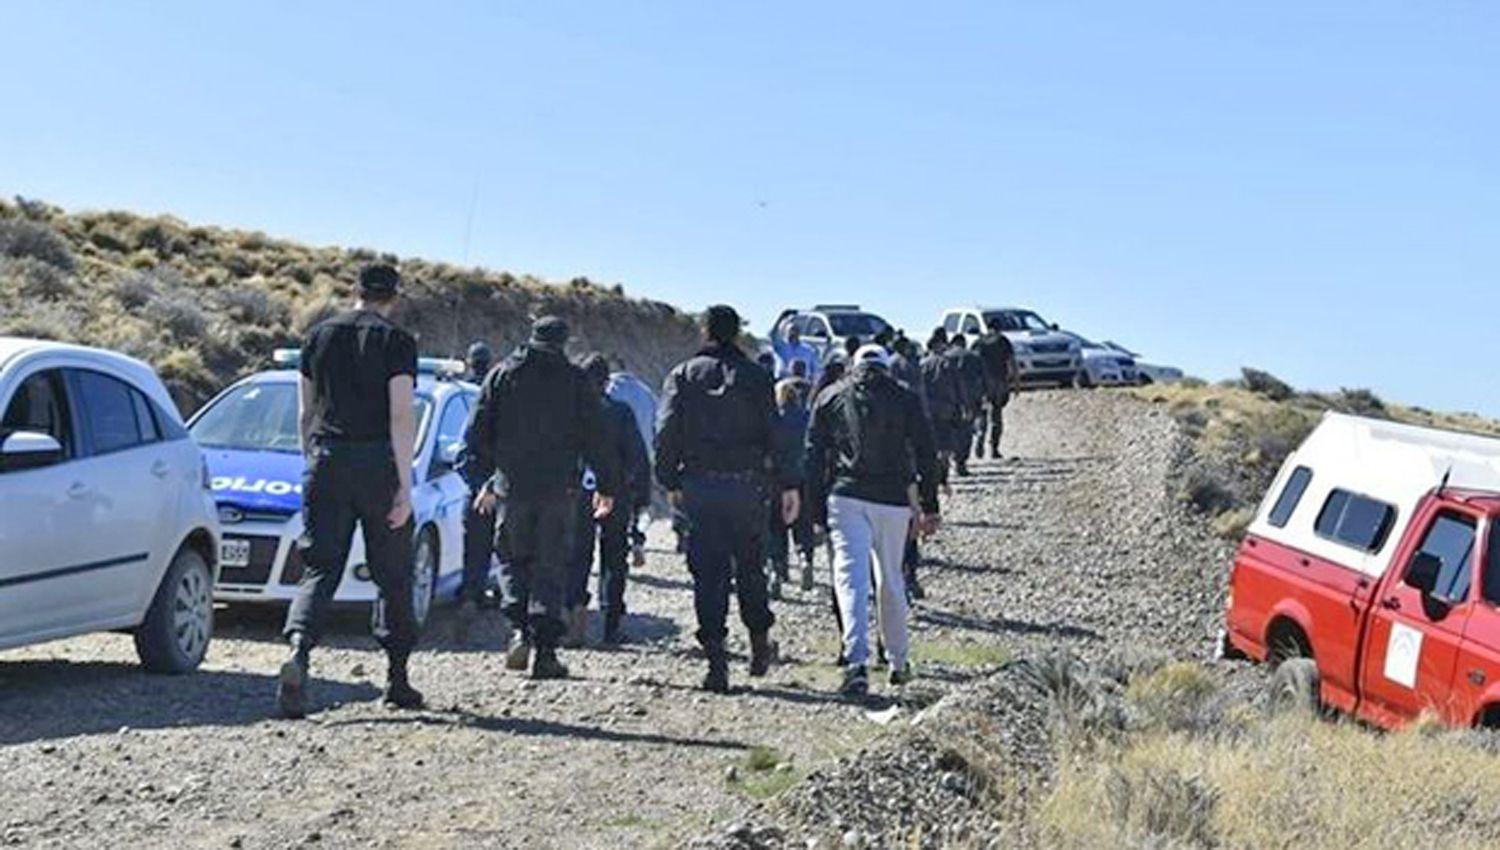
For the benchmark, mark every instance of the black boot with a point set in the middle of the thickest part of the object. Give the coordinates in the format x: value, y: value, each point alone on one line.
x: 546, y: 665
x: 398, y: 690
x: 717, y: 680
x: 291, y: 684
x: 762, y: 653
x: 612, y: 632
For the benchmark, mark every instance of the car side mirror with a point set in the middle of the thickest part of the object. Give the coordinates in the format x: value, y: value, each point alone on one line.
x: 1423, y: 573
x: 448, y: 453
x: 29, y: 450
x: 1054, y: 326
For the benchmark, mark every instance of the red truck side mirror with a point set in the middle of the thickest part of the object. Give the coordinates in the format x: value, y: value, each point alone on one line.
x: 1423, y: 573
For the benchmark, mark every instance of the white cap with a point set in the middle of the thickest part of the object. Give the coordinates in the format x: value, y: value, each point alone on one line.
x: 873, y: 354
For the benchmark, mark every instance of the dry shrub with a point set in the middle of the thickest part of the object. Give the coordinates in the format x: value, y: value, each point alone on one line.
x: 38, y: 241
x: 1290, y: 781
x: 33, y: 279
x: 1180, y: 695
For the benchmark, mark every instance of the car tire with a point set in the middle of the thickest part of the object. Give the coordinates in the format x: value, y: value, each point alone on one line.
x: 174, y: 637
x: 1295, y: 686
x: 1082, y: 381
x: 424, y: 576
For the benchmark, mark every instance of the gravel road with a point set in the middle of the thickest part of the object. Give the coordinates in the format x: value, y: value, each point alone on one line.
x: 1072, y: 539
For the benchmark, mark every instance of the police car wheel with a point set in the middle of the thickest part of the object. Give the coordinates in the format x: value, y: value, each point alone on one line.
x: 424, y: 576
x: 175, y: 634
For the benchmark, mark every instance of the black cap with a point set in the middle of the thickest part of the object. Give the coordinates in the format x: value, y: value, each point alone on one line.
x: 722, y: 324
x: 379, y: 280
x: 550, y: 330
x: 479, y: 354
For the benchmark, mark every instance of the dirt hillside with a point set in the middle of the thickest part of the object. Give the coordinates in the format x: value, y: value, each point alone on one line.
x: 205, y: 304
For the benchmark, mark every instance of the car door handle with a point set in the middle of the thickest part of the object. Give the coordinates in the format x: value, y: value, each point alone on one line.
x: 78, y: 491
x: 160, y: 469
x: 1391, y: 603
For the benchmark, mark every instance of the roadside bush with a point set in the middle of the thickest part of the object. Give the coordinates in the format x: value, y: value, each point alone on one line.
x: 1360, y: 402
x: 252, y: 306
x: 46, y: 320
x: 33, y: 279
x: 1266, y: 384
x: 1179, y: 696
x: 179, y: 314
x: 22, y: 238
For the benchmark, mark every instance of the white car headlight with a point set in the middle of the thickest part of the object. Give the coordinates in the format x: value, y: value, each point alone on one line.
x: 1022, y: 348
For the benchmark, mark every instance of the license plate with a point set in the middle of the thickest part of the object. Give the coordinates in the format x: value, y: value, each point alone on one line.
x: 234, y: 553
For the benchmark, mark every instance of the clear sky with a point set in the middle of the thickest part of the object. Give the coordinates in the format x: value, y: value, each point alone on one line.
x: 1309, y: 187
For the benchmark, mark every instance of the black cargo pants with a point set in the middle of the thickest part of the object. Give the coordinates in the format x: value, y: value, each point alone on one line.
x: 536, y: 540
x: 479, y: 549
x: 727, y: 514
x: 347, y: 484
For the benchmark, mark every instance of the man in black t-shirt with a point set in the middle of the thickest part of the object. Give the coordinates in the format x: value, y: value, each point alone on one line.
x: 358, y: 430
x: 999, y: 358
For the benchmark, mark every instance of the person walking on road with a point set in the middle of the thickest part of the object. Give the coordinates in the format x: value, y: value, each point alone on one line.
x: 537, y: 423
x: 627, y: 451
x: 636, y: 394
x: 479, y: 528
x: 945, y: 400
x: 872, y: 442
x: 971, y: 377
x: 999, y: 359
x: 792, y: 418
x: 358, y: 431
x: 786, y: 342
x: 716, y: 458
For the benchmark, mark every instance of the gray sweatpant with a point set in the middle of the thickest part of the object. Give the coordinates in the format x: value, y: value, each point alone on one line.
x: 861, y: 530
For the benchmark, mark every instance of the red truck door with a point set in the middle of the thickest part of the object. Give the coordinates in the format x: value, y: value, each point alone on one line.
x: 1417, y: 622
x: 1476, y: 683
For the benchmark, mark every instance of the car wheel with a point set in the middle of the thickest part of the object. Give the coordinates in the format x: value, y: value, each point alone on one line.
x: 174, y: 636
x: 424, y: 576
x: 1082, y: 381
x: 1295, y: 686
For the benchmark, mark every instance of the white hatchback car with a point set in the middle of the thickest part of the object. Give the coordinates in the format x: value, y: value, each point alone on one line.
x: 249, y: 435
x: 106, y: 519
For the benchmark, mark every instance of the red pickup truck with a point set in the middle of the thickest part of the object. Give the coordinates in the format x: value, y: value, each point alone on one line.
x: 1371, y: 574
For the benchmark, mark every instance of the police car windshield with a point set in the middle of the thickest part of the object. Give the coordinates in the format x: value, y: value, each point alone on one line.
x: 862, y: 325
x: 263, y: 417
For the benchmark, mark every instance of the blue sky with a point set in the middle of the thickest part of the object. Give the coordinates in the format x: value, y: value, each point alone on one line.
x: 1307, y: 187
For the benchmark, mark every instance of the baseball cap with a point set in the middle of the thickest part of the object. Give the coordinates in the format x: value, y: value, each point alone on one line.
x: 379, y: 280
x: 550, y: 329
x: 873, y: 355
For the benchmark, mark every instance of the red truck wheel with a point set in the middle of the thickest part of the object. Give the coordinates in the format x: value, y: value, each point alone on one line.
x: 1295, y: 686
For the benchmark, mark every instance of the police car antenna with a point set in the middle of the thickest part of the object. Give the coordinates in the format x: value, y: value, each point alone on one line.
x: 1443, y: 484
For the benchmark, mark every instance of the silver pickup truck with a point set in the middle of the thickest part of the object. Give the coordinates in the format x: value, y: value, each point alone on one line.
x: 1044, y: 355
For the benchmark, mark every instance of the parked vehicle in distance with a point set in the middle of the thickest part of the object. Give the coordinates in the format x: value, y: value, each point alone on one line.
x: 1147, y: 373
x: 1371, y: 574
x: 1044, y: 354
x: 106, y: 521
x: 249, y: 435
x: 1102, y: 366
x: 827, y: 326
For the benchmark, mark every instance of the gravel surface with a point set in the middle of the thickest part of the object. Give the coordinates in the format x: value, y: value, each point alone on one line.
x: 1071, y: 540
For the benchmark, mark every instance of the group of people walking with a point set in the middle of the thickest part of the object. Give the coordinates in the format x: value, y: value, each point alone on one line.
x: 854, y: 448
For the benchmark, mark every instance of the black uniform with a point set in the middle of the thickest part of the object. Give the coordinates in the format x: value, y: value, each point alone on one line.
x: 946, y: 404
x: 627, y: 451
x: 971, y: 378
x: 351, y: 474
x: 537, y: 422
x: 998, y: 356
x: 714, y: 445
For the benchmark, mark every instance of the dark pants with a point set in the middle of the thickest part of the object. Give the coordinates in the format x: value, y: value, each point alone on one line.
x: 726, y: 547
x: 535, y: 541
x: 612, y: 536
x: 479, y: 549
x: 993, y: 416
x: 344, y: 485
x: 776, y: 530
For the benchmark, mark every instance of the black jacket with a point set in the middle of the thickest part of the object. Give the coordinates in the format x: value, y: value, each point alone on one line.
x: 622, y: 439
x: 870, y: 440
x: 971, y: 374
x: 946, y: 399
x: 538, y: 422
x: 997, y: 354
x: 718, y: 411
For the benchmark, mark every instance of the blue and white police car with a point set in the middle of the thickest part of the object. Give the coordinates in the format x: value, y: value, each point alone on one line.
x: 249, y: 437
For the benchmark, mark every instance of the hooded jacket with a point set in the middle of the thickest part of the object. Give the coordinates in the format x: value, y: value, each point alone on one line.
x: 869, y: 440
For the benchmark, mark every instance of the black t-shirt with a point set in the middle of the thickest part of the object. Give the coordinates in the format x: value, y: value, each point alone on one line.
x: 350, y: 360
